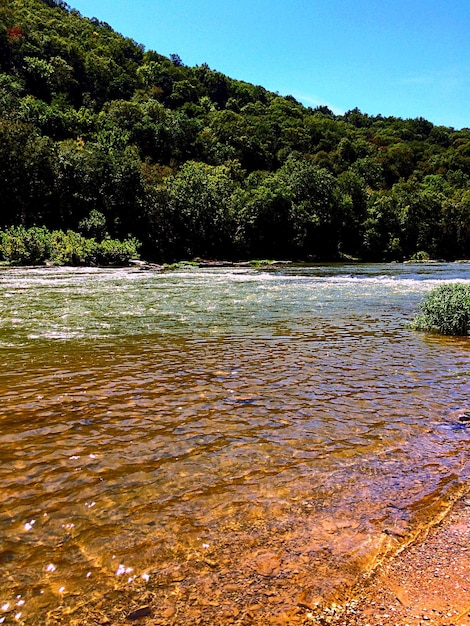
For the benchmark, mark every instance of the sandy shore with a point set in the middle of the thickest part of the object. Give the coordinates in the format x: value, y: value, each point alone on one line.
x: 427, y: 583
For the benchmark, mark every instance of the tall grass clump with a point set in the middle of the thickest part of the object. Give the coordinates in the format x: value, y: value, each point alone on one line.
x: 445, y: 310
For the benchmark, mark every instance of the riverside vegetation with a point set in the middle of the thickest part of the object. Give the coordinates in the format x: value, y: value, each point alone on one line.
x: 38, y: 245
x: 193, y: 163
x: 446, y: 310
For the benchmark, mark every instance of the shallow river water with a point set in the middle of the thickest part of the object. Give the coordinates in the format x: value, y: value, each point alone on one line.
x: 218, y: 445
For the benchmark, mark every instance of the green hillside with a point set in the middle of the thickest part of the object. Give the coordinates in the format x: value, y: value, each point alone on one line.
x: 99, y: 134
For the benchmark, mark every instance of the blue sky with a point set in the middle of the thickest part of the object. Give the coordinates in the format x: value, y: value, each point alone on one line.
x: 407, y: 58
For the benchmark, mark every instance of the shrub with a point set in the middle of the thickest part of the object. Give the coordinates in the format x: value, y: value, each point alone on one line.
x: 420, y: 256
x: 12, y: 244
x: 446, y: 310
x: 25, y: 246
x: 117, y: 252
x: 38, y: 245
x: 94, y: 226
x: 71, y: 248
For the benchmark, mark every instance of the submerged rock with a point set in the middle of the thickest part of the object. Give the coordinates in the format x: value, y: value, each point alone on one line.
x: 144, y: 611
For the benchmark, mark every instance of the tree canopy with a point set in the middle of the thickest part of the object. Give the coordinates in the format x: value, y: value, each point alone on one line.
x: 194, y: 163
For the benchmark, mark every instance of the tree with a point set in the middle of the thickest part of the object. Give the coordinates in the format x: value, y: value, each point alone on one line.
x: 26, y: 175
x: 265, y: 228
x: 192, y: 215
x: 381, y: 230
x: 317, y: 206
x: 94, y: 226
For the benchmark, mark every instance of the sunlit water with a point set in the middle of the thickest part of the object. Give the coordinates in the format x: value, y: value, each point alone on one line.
x: 218, y: 444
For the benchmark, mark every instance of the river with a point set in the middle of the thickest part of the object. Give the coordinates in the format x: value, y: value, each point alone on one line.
x: 218, y: 445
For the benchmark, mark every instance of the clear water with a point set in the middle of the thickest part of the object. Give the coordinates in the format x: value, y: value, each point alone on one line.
x: 218, y: 442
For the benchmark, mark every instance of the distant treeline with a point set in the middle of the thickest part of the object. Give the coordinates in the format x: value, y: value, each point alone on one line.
x: 195, y: 164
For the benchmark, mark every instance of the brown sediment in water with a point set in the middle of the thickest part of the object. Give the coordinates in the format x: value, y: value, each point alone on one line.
x: 427, y: 583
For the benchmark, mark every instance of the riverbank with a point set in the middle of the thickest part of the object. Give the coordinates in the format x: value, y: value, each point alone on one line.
x: 427, y: 583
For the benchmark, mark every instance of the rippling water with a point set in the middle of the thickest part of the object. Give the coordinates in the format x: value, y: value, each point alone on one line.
x: 217, y: 444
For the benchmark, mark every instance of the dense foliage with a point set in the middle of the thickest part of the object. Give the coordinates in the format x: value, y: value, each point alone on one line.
x: 37, y: 245
x: 446, y: 310
x: 194, y: 163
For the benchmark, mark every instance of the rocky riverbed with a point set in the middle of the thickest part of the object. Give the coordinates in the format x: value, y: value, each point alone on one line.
x: 427, y: 583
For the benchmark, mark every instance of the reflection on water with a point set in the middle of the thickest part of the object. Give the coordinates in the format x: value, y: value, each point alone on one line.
x: 217, y: 445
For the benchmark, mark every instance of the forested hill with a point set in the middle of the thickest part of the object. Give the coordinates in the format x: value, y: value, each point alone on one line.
x: 196, y: 164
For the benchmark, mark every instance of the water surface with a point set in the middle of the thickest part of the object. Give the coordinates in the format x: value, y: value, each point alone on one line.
x: 217, y: 444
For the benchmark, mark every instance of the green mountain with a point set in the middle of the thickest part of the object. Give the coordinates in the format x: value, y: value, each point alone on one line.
x: 98, y: 133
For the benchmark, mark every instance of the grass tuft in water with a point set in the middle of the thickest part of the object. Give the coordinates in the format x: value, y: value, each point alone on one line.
x: 445, y: 310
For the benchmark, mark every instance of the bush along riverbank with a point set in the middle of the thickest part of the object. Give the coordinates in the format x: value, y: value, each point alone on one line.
x: 445, y: 310
x: 39, y: 246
